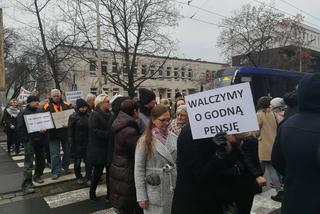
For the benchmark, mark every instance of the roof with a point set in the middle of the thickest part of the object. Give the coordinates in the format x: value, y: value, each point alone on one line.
x: 269, y: 71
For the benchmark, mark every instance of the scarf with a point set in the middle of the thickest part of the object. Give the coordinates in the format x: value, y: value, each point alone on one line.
x: 160, y: 135
x: 176, y: 127
x: 13, y: 111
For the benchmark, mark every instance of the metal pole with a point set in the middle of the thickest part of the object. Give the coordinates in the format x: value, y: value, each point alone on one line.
x: 2, y: 70
x: 98, y: 68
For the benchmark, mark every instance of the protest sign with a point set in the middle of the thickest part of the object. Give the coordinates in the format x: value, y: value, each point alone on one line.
x: 61, y: 118
x: 24, y: 94
x: 39, y: 121
x: 72, y: 96
x: 229, y: 109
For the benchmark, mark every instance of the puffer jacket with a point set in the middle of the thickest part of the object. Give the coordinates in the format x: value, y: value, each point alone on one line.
x: 126, y: 134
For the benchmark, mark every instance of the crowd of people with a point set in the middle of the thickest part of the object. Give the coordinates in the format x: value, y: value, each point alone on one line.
x: 153, y: 165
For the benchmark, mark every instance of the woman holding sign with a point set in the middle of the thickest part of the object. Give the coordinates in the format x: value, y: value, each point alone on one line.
x: 155, y: 164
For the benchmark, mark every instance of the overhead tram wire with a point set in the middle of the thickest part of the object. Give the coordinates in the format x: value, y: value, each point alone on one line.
x: 286, y: 13
x: 307, y: 13
x: 199, y: 8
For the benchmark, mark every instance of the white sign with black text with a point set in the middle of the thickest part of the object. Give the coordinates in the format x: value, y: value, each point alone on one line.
x: 72, y: 96
x: 229, y: 109
x: 38, y: 122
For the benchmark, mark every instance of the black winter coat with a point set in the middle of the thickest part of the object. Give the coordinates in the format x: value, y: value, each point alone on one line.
x: 78, y: 132
x: 99, y: 134
x: 8, y: 120
x: 296, y: 154
x: 22, y: 129
x: 197, y: 168
x: 126, y: 134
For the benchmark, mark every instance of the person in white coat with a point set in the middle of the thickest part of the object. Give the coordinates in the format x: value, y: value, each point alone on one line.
x: 155, y: 164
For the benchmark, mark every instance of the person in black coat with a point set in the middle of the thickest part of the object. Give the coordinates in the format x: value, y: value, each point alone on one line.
x: 126, y: 134
x: 78, y: 137
x: 296, y: 151
x: 242, y: 176
x: 33, y: 147
x: 10, y: 115
x: 197, y: 169
x: 99, y: 136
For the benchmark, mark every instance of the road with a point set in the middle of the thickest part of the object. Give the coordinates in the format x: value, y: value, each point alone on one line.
x: 65, y: 196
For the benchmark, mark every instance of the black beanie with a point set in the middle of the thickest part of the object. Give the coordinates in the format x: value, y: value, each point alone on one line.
x: 308, y: 93
x: 146, y: 96
x: 81, y: 103
x: 32, y: 98
x: 117, y: 103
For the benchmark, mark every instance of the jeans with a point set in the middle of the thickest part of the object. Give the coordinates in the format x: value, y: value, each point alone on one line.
x: 31, y: 149
x: 56, y: 163
x: 273, y: 178
x: 77, y: 168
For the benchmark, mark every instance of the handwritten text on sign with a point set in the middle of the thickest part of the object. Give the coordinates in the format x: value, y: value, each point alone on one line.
x: 229, y: 109
x: 38, y: 122
x: 72, y: 96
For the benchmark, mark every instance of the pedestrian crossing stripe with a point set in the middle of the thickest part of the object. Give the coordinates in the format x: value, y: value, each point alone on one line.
x: 18, y: 159
x: 106, y: 211
x: 72, y: 197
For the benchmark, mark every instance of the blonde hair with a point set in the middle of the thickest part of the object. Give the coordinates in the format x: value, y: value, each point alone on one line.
x: 91, y: 96
x: 164, y: 102
x: 100, y: 99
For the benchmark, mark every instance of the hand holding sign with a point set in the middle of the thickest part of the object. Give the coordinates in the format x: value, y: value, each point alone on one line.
x: 228, y: 109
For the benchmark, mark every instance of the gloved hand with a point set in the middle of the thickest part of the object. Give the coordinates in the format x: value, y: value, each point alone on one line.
x: 220, y: 141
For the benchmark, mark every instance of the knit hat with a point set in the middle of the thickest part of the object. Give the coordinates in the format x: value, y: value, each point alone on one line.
x: 146, y: 96
x: 116, y: 103
x: 81, y: 103
x: 308, y: 93
x: 178, y: 95
x: 32, y: 98
x: 263, y: 102
x: 277, y: 104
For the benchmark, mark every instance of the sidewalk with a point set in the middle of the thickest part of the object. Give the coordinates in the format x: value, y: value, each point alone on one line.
x: 10, y: 173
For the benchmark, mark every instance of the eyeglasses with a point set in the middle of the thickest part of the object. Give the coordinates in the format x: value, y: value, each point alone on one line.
x: 164, y: 120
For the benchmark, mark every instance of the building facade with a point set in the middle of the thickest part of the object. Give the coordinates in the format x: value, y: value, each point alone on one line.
x: 171, y: 75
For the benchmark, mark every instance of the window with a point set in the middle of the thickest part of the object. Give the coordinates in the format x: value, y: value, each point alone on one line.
x: 160, y: 72
x: 135, y: 70
x: 144, y: 70
x: 124, y: 69
x: 93, y: 90
x: 176, y: 74
x: 115, y: 91
x: 104, y: 67
x: 114, y: 67
x: 182, y: 74
x: 189, y: 74
x: 152, y: 69
x: 92, y: 66
x: 168, y: 72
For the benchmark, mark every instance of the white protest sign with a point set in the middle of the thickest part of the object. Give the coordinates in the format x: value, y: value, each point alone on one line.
x: 61, y: 118
x: 39, y: 121
x: 24, y: 94
x: 229, y: 109
x: 72, y: 96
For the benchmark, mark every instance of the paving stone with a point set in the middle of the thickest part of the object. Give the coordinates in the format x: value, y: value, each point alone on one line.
x: 18, y: 198
x: 5, y: 201
x: 8, y: 196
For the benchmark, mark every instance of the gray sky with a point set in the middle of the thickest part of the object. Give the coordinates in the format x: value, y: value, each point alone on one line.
x: 196, y: 39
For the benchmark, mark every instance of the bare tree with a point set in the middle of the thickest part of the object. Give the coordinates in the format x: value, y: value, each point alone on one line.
x: 52, y: 34
x: 130, y: 29
x: 255, y: 29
